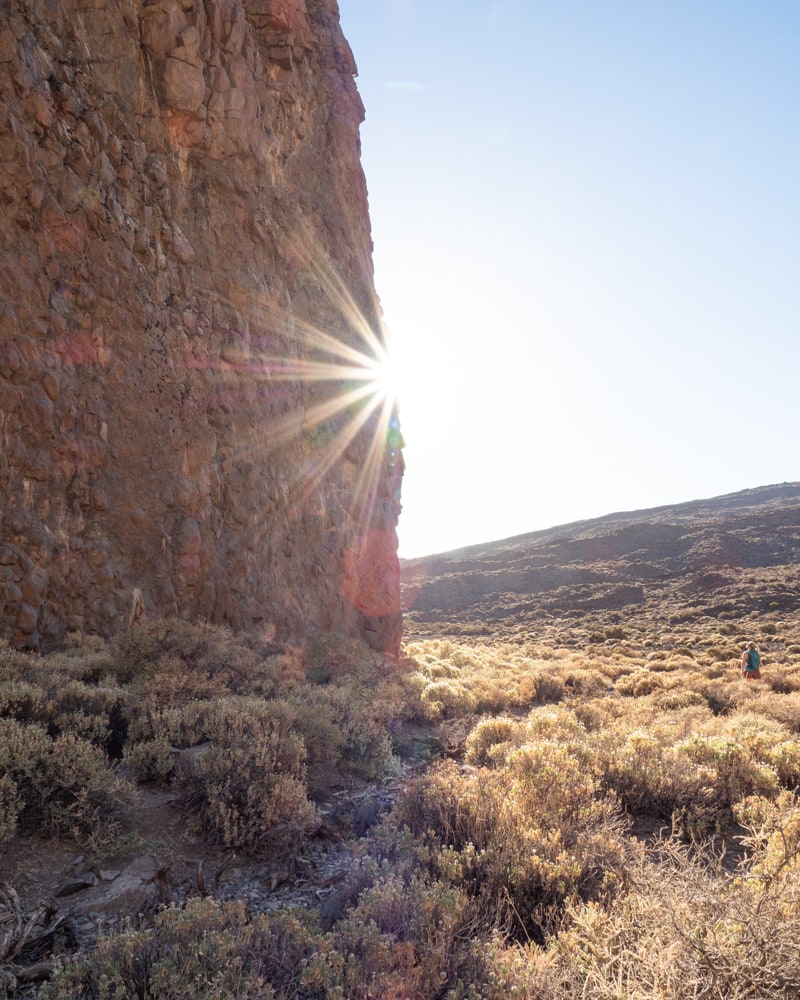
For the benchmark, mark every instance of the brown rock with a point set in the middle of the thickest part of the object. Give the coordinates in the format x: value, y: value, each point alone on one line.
x: 169, y: 224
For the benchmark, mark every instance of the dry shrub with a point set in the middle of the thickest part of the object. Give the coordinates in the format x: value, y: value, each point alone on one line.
x: 521, y: 840
x: 783, y: 708
x: 680, y: 659
x: 151, y: 760
x: 487, y: 736
x: 664, y: 664
x: 214, y: 661
x: 721, y: 653
x: 584, y: 682
x: 332, y: 656
x: 11, y: 805
x: 639, y: 684
x: 441, y: 671
x: 60, y: 786
x: 23, y: 701
x: 248, y: 787
x: 678, y: 698
x: 609, y: 668
x: 686, y: 929
x: 407, y: 937
x: 446, y: 699
x: 721, y: 698
x: 732, y: 771
x: 784, y: 758
x: 547, y: 688
x: 649, y: 778
x: 204, y: 951
x: 555, y: 723
x: 599, y: 713
x: 782, y: 681
x: 56, y: 692
x: 249, y: 797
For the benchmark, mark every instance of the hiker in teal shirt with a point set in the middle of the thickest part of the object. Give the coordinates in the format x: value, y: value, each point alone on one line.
x: 751, y: 661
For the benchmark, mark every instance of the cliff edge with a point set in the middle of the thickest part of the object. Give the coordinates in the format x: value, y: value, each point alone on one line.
x: 188, y: 325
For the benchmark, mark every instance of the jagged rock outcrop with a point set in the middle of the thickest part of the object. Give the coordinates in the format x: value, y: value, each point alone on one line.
x: 184, y: 245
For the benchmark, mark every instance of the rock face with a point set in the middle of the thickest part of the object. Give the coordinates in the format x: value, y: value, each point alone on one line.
x: 186, y: 306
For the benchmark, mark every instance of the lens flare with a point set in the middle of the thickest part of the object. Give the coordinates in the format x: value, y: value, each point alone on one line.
x: 340, y: 395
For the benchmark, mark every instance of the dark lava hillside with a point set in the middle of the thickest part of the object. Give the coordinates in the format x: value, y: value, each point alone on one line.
x: 731, y: 557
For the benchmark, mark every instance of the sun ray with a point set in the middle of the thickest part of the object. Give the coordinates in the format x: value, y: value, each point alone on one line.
x: 338, y: 385
x: 373, y: 468
x: 336, y: 448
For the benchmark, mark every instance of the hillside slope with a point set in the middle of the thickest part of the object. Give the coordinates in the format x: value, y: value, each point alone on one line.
x: 728, y: 556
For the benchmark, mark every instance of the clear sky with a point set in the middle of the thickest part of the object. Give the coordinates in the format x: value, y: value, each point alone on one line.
x: 586, y: 219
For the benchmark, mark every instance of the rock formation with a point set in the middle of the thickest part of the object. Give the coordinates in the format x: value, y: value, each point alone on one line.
x: 187, y: 322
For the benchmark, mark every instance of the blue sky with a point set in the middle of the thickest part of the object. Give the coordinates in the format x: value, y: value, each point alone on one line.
x: 586, y: 221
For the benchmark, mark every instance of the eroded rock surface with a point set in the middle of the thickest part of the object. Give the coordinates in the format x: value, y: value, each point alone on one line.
x: 183, y: 235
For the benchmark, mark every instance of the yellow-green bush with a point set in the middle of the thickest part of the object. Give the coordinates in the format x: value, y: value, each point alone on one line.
x: 485, y: 737
x: 446, y: 699
x: 640, y: 683
x: 521, y: 840
x: 732, y: 771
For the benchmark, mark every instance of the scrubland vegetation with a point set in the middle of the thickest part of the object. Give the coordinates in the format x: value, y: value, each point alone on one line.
x: 613, y: 818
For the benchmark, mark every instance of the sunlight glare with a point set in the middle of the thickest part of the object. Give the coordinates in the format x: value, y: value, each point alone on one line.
x: 351, y: 393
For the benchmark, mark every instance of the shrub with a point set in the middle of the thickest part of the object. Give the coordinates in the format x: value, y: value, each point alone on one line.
x: 639, y: 684
x: 22, y: 701
x: 249, y: 786
x: 331, y: 656
x: 151, y: 760
x: 718, y: 653
x: 249, y: 797
x: 684, y: 929
x: 206, y: 951
x: 407, y: 937
x: 198, y: 661
x: 547, y: 688
x: 783, y: 708
x: 60, y: 786
x: 485, y: 737
x: 784, y: 757
x: 521, y: 840
x: 11, y: 805
x: 651, y: 778
x: 733, y: 771
x: 445, y: 699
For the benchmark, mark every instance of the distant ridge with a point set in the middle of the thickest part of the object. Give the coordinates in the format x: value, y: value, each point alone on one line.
x: 729, y: 554
x: 743, y: 500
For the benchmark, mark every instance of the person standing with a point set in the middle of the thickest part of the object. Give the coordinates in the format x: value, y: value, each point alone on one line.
x: 751, y: 663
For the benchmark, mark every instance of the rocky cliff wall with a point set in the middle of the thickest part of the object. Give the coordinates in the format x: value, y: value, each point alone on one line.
x: 186, y: 313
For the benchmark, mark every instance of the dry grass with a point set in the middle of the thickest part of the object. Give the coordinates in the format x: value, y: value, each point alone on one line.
x: 509, y: 871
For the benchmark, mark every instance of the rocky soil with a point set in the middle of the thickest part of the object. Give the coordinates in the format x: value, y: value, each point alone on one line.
x: 57, y: 896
